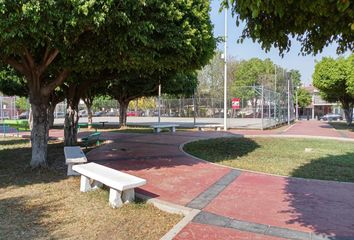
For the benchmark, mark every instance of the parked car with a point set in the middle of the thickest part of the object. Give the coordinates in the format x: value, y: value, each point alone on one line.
x: 23, y: 115
x: 98, y: 114
x: 60, y: 115
x: 331, y: 117
x: 112, y: 114
x: 83, y: 113
x: 135, y: 114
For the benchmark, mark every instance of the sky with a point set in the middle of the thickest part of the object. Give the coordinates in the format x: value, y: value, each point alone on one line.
x: 248, y: 49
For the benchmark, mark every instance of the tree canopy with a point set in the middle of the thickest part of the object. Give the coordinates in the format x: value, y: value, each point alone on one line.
x: 46, y: 41
x: 332, y: 77
x: 315, y: 24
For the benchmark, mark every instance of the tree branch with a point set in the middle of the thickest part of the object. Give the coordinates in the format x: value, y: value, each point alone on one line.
x: 48, y: 58
x: 16, y: 65
x: 29, y: 59
x: 59, y: 80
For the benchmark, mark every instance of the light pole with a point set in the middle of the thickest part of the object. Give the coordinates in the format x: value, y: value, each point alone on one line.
x: 225, y: 71
x: 297, y: 104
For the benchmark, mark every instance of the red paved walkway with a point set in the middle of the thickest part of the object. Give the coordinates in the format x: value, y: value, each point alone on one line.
x: 319, y: 207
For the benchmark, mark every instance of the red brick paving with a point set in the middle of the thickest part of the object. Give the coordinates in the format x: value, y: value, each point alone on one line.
x: 171, y: 176
x: 297, y: 204
x: 313, y: 128
x: 196, y: 231
x: 319, y: 206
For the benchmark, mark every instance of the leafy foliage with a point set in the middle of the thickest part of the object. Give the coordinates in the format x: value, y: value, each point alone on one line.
x: 316, y: 24
x: 303, y: 97
x: 332, y: 78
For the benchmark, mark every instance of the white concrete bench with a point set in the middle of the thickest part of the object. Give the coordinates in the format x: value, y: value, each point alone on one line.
x: 121, y: 184
x: 74, y: 155
x: 157, y: 127
x: 217, y: 127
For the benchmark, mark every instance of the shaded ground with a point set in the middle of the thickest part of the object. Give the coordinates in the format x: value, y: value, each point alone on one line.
x: 48, y: 205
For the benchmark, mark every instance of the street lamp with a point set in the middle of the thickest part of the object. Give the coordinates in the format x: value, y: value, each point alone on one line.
x: 297, y: 104
x: 225, y: 71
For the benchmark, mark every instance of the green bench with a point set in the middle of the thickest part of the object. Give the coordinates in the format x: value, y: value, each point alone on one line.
x: 20, y: 125
x: 93, y: 137
x: 85, y: 125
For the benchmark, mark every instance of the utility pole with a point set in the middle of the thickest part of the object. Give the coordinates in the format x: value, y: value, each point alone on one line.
x: 159, y: 104
x: 288, y: 99
x: 225, y: 71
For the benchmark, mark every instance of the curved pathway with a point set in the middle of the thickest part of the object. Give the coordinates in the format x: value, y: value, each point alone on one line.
x: 233, y: 204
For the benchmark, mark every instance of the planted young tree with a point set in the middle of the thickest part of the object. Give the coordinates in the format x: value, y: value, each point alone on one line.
x: 275, y: 23
x: 331, y: 77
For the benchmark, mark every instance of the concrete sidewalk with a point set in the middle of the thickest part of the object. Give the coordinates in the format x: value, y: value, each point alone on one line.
x: 233, y: 204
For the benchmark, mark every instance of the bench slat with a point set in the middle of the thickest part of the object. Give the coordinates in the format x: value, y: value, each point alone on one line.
x: 109, y: 177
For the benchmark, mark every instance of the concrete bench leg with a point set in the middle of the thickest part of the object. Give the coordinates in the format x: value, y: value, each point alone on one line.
x: 115, y: 198
x: 96, y: 184
x: 70, y: 171
x: 128, y: 196
x: 85, y: 185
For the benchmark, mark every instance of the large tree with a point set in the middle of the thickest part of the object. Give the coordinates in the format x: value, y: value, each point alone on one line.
x: 46, y: 40
x: 331, y: 77
x: 316, y: 24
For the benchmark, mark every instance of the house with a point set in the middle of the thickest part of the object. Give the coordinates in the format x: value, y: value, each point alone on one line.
x: 318, y: 106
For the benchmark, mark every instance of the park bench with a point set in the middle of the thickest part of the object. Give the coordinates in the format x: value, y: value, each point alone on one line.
x: 216, y: 127
x: 157, y: 127
x: 93, y: 137
x: 86, y: 125
x: 74, y: 155
x: 20, y: 125
x: 121, y: 184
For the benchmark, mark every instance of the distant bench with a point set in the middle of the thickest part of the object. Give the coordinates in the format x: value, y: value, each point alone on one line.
x: 73, y: 155
x: 18, y: 124
x: 157, y: 127
x: 86, y: 125
x: 216, y: 127
x: 121, y: 184
x: 93, y: 137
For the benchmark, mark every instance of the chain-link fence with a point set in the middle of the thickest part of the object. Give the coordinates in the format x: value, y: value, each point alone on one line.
x: 8, y: 108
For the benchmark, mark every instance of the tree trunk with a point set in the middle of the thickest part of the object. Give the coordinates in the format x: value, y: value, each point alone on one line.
x: 51, y: 110
x: 123, y: 106
x: 348, y: 112
x: 71, y: 123
x: 89, y: 115
x: 39, y: 133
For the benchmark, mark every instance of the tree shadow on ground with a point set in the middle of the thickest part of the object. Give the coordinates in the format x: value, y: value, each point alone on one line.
x: 13, y: 141
x: 133, y: 153
x: 221, y: 149
x: 16, y: 171
x: 23, y: 221
x: 325, y: 206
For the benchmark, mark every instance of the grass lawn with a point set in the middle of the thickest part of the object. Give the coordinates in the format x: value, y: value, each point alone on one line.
x: 46, y: 204
x: 306, y: 158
